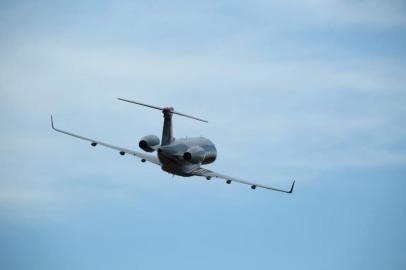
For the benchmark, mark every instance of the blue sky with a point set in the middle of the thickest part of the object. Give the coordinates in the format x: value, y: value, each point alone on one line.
x: 307, y: 90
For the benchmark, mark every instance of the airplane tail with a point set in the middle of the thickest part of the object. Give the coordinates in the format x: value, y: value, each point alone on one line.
x: 167, y: 133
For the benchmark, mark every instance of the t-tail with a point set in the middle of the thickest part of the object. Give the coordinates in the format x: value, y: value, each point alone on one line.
x: 167, y: 131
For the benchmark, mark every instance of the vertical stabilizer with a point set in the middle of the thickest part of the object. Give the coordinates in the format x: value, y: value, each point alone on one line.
x: 167, y: 132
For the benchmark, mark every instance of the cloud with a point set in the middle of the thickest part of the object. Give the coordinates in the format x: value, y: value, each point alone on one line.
x: 269, y: 90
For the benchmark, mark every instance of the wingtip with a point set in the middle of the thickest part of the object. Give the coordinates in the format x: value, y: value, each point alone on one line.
x: 291, y: 188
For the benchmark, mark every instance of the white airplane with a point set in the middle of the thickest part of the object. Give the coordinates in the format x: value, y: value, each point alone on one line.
x: 182, y: 157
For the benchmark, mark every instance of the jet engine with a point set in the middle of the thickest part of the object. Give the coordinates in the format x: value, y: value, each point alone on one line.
x: 194, y: 154
x: 149, y: 143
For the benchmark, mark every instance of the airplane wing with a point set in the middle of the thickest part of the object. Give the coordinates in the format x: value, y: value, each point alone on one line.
x: 210, y: 174
x: 121, y: 150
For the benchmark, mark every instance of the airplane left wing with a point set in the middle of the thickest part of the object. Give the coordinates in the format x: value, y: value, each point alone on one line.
x: 210, y: 174
x: 122, y: 151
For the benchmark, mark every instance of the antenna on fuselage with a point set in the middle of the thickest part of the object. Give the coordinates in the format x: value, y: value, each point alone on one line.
x: 169, y: 109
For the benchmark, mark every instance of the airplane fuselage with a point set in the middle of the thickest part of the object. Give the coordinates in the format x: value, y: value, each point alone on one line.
x: 174, y: 159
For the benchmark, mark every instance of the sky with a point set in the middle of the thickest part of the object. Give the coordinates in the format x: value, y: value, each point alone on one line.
x: 308, y: 90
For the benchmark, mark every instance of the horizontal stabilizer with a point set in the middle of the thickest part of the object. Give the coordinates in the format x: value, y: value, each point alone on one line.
x: 163, y: 109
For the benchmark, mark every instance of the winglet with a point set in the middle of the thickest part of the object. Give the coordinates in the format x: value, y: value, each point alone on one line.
x: 52, y: 122
x: 291, y: 188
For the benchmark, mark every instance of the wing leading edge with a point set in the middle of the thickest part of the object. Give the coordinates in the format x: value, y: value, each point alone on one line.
x: 210, y: 174
x: 122, y: 151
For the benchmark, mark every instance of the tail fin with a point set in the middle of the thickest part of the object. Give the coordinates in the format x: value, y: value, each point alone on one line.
x: 167, y: 131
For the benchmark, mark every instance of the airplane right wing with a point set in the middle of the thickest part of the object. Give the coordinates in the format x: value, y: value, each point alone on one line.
x: 122, y: 151
x: 210, y: 174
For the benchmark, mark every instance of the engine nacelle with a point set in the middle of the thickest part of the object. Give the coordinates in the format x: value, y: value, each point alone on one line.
x: 195, y: 154
x: 148, y: 143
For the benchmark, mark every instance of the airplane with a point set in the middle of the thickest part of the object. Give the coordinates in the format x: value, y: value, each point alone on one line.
x: 182, y: 157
